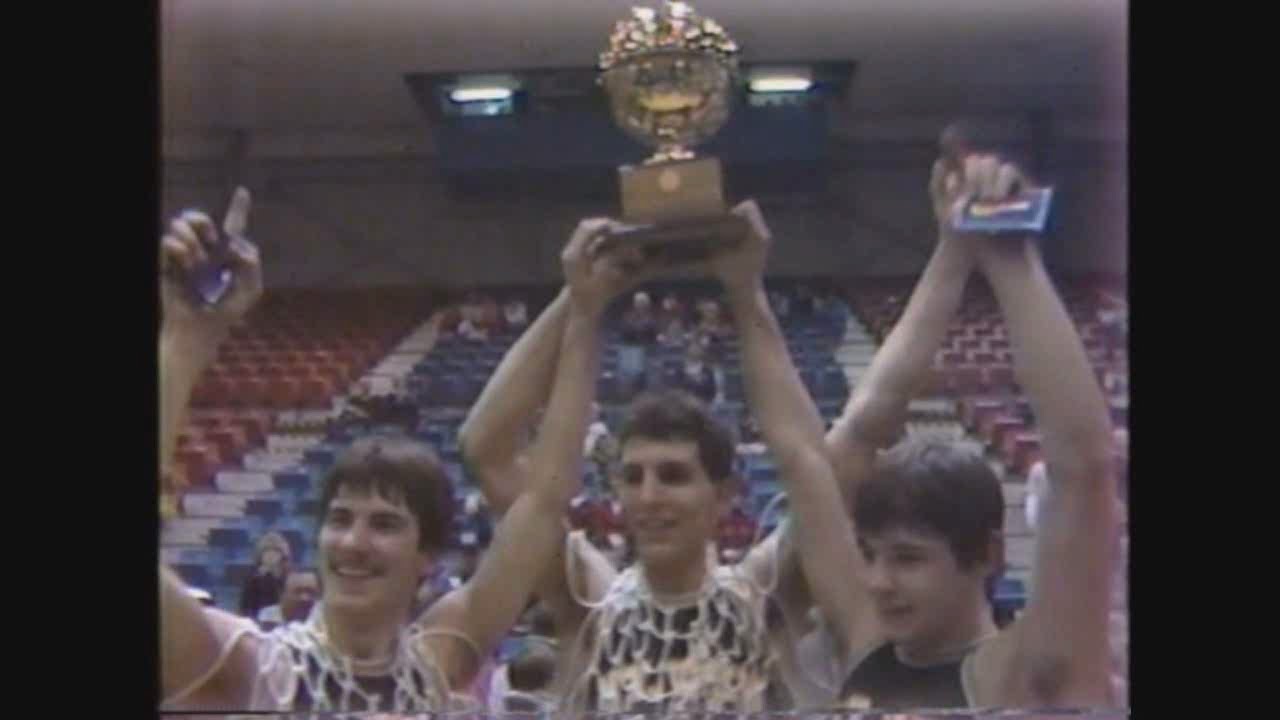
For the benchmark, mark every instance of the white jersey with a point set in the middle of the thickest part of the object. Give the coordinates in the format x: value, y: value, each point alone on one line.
x: 294, y: 668
x: 708, y: 652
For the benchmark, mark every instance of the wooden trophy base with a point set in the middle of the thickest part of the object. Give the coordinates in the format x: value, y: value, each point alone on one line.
x: 675, y: 212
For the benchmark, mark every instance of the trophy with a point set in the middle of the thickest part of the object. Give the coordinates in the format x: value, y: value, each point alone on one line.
x: 670, y: 77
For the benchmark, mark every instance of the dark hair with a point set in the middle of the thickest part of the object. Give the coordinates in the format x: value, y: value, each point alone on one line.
x: 675, y: 415
x: 533, y: 669
x: 398, y: 470
x: 936, y: 486
x: 541, y: 622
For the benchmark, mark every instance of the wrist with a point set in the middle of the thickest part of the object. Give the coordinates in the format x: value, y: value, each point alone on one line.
x: 586, y: 309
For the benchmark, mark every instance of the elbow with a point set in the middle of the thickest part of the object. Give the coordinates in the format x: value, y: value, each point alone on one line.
x: 803, y: 461
x: 875, y: 418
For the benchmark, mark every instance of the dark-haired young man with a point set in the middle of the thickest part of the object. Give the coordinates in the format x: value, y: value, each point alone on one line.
x: 929, y: 514
x: 385, y: 513
x: 677, y: 631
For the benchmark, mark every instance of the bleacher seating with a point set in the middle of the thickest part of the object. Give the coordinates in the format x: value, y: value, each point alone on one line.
x: 302, y: 350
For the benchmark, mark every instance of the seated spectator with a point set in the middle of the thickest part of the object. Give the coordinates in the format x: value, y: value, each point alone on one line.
x: 748, y: 430
x: 639, y: 331
x: 781, y: 305
x: 476, y: 320
x: 272, y: 557
x: 1037, y: 489
x: 696, y: 376
x: 524, y: 684
x: 301, y: 588
x: 516, y: 313
x: 600, y: 447
x: 672, y: 321
x: 803, y: 306
x: 1113, y: 320
x: 447, y: 320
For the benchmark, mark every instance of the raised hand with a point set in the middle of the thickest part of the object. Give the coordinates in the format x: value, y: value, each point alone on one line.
x: 191, y: 238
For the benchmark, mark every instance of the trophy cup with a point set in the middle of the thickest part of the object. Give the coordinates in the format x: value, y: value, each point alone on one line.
x: 669, y: 76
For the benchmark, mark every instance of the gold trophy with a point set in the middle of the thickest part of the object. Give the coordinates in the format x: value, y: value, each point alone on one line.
x: 669, y: 76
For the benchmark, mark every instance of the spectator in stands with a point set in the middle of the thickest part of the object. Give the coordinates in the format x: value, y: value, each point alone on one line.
x: 1037, y: 488
x: 491, y: 316
x: 601, y: 448
x: 1121, y: 437
x: 639, y: 332
x: 713, y: 334
x: 524, y: 684
x: 477, y: 318
x: 803, y: 306
x: 672, y: 324
x: 516, y: 314
x: 1113, y: 321
x: 749, y: 435
x: 301, y: 588
x: 385, y: 509
x: 696, y: 377
x: 781, y: 305
x: 929, y: 513
x: 271, y: 559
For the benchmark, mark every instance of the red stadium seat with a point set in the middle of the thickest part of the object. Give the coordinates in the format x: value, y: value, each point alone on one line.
x: 1005, y: 428
x: 1001, y: 377
x: 198, y: 464
x: 284, y: 393
x: 1027, y: 452
x: 316, y: 392
x: 965, y: 380
x: 250, y: 392
x: 984, y: 412
x: 230, y: 441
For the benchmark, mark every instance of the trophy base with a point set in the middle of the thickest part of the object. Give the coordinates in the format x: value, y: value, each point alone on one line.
x: 679, y: 242
x: 675, y: 211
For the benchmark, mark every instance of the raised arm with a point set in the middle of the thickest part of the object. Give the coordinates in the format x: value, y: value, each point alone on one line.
x: 529, y: 538
x: 792, y: 428
x: 490, y: 438
x: 189, y: 340
x: 1059, y: 646
x: 877, y: 407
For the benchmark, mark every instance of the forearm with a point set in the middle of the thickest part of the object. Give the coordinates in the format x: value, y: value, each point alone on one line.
x: 184, y: 356
x: 1049, y: 360
x: 787, y: 416
x: 490, y: 436
x: 878, y: 404
x: 556, y: 458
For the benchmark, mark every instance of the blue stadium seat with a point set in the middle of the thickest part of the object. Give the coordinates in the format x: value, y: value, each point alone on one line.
x: 269, y: 509
x: 193, y: 574
x: 234, y: 574
x: 295, y: 482
x: 229, y: 536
